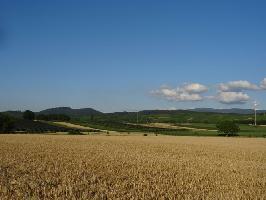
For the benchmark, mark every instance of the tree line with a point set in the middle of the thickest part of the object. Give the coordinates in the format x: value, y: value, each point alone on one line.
x: 29, y: 115
x: 6, y: 123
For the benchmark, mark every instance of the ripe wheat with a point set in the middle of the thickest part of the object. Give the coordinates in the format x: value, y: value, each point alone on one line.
x: 131, y: 167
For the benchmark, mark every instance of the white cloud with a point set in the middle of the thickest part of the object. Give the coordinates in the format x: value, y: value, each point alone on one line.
x: 263, y: 84
x: 195, y: 88
x: 187, y: 92
x: 232, y: 92
x: 168, y: 92
x: 232, y: 97
x: 237, y: 86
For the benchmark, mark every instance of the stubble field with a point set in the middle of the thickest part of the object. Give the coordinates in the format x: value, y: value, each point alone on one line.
x: 131, y: 167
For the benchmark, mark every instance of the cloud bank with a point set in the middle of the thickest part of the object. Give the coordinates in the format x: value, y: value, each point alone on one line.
x: 233, y: 92
x: 186, y: 92
x: 236, y: 86
x: 263, y: 84
x: 232, y: 97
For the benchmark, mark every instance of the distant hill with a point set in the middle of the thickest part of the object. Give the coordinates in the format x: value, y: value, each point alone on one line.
x: 227, y: 111
x: 70, y: 112
x: 160, y: 112
x: 77, y: 113
x: 59, y: 110
x: 204, y: 110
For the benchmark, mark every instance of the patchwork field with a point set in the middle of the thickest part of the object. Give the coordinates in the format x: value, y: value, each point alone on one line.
x: 131, y: 167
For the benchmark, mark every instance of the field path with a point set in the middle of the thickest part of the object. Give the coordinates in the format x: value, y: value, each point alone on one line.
x: 170, y: 126
x: 71, y: 125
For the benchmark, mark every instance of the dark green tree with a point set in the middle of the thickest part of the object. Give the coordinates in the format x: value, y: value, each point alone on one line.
x: 29, y: 115
x: 6, y: 123
x: 42, y: 117
x: 228, y: 128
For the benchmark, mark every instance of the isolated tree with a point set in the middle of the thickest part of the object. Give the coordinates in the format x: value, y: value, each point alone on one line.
x: 228, y: 128
x: 29, y: 115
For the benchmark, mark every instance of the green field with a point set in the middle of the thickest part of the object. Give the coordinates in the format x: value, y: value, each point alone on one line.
x: 179, y: 122
x: 178, y: 116
x: 136, y: 122
x: 245, y: 130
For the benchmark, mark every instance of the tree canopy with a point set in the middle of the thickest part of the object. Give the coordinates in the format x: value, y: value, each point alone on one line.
x: 29, y: 115
x: 6, y: 123
x: 228, y: 128
x: 53, y: 117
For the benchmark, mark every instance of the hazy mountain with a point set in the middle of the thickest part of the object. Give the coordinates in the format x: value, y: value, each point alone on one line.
x: 204, y: 110
x: 90, y: 111
x: 231, y: 110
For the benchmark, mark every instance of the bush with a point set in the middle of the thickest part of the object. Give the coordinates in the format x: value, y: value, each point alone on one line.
x: 75, y: 132
x: 145, y: 134
x: 227, y: 128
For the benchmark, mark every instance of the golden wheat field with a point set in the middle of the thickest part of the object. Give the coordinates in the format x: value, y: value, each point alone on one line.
x: 131, y: 167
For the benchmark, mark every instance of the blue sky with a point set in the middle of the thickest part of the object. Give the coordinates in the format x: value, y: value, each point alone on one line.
x: 132, y: 55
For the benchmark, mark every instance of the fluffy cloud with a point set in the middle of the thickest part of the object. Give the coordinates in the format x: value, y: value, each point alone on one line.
x: 263, y: 84
x: 233, y: 92
x: 187, y: 92
x: 237, y: 86
x: 195, y: 88
x: 232, y: 97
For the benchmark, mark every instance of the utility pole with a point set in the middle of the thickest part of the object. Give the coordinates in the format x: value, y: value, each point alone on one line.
x: 255, y: 112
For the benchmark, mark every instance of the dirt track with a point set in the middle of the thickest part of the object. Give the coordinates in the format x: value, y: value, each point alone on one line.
x: 70, y: 125
x: 170, y: 126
